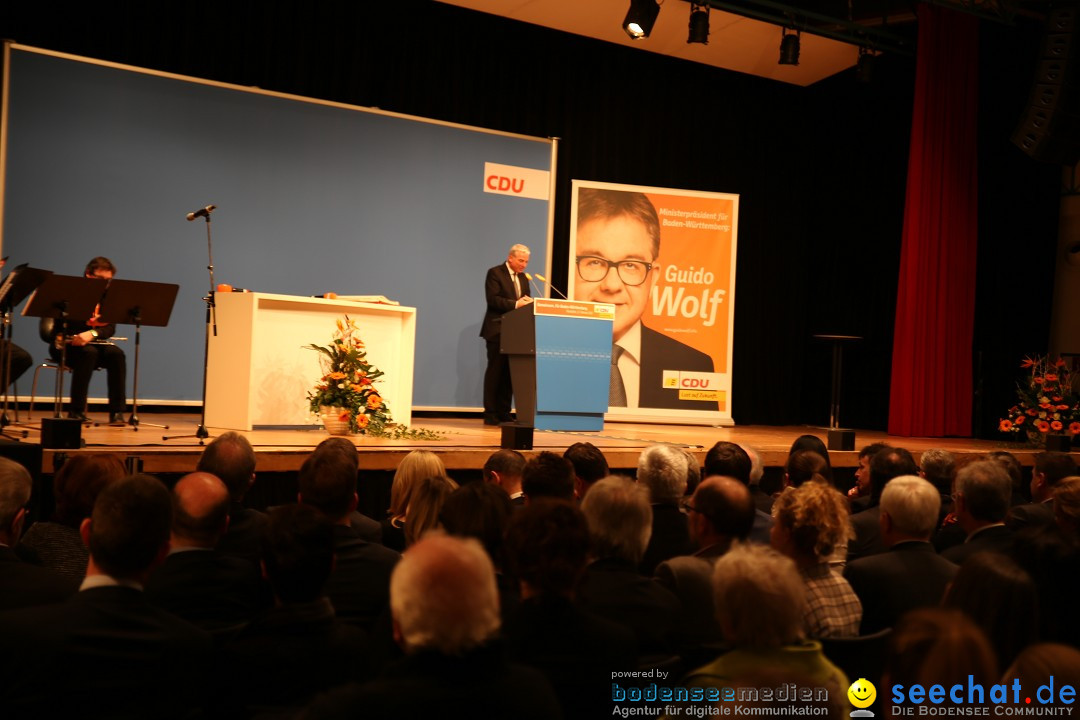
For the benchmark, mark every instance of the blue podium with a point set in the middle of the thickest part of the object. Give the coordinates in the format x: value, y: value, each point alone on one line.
x: 560, y: 362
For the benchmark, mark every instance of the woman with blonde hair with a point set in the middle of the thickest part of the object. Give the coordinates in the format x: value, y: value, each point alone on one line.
x: 811, y: 523
x: 414, y: 467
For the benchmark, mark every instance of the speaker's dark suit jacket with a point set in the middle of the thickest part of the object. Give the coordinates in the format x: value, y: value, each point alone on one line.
x: 997, y: 539
x: 660, y: 353
x: 104, y: 653
x: 501, y: 299
x: 25, y: 585
x: 908, y: 575
x: 211, y: 590
x: 359, y: 586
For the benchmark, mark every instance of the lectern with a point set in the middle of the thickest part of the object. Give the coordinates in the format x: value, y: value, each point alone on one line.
x: 560, y: 362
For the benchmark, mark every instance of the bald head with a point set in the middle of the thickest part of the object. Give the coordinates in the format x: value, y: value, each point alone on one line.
x: 722, y: 511
x: 200, y: 510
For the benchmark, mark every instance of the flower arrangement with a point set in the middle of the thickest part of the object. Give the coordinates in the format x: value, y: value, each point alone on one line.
x: 348, y: 382
x: 1047, y: 401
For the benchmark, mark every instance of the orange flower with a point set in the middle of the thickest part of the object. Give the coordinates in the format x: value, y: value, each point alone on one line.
x: 1056, y: 426
x: 1051, y: 377
x: 1062, y: 407
x: 1028, y: 362
x: 344, y: 417
x: 357, y: 388
x: 1019, y: 420
x: 361, y: 421
x: 1032, y: 412
x: 1043, y: 426
x: 374, y: 401
x: 1074, y: 428
x: 1005, y: 426
x: 336, y: 376
x: 1037, y: 380
x: 1059, y: 363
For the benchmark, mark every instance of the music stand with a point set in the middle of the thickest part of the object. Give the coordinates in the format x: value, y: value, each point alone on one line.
x: 60, y: 297
x: 138, y: 303
x: 20, y: 282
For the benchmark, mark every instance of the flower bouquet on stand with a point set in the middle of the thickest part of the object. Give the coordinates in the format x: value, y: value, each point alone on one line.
x: 1048, y: 405
x: 345, y: 396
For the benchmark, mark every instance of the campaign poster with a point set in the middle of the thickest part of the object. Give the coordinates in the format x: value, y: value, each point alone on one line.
x: 665, y: 259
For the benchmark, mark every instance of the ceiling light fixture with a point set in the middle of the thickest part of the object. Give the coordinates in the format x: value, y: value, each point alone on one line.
x: 789, y: 47
x: 640, y: 18
x: 699, y: 23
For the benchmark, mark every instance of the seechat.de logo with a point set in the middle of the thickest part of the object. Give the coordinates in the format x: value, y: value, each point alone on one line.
x: 862, y: 694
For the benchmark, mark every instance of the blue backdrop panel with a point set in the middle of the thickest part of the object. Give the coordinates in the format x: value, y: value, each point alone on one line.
x: 311, y: 199
x: 573, y: 372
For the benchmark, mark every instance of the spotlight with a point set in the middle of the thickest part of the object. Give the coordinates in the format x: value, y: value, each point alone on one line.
x: 699, y: 23
x: 640, y: 18
x: 789, y: 47
x: 864, y: 68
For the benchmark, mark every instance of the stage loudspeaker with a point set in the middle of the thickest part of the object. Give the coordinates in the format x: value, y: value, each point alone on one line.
x: 61, y: 433
x: 841, y: 439
x: 516, y: 437
x: 1049, y: 129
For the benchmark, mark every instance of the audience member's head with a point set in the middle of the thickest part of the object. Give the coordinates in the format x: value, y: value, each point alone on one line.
x: 327, y: 482
x: 730, y: 460
x: 757, y: 465
x: 1050, y: 468
x: 548, y: 545
x: 862, y: 473
x: 79, y: 481
x: 662, y: 469
x: 812, y: 520
x: 981, y: 494
x: 482, y: 511
x: 128, y: 532
x: 1012, y: 466
x: 232, y: 459
x: 339, y: 446
x: 413, y: 468
x: 200, y: 510
x: 1001, y: 598
x: 805, y: 466
x: 887, y: 464
x: 443, y: 596
x: 934, y: 646
x: 425, y: 505
x: 504, y: 468
x: 620, y: 518
x: 589, y: 466
x: 720, y: 511
x: 938, y: 467
x: 298, y: 552
x: 909, y: 509
x: 814, y: 444
x: 760, y: 598
x: 1043, y: 660
x: 16, y: 486
x: 1067, y: 506
x: 548, y: 475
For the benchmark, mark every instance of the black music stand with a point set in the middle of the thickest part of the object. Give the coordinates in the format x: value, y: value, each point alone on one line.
x: 20, y: 282
x: 138, y: 303
x: 61, y: 297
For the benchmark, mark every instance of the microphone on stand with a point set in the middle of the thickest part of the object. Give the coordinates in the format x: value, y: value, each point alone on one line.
x: 202, y: 212
x: 545, y: 280
x: 533, y: 285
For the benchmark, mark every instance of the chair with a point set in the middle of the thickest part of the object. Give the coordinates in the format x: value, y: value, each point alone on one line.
x: 45, y: 331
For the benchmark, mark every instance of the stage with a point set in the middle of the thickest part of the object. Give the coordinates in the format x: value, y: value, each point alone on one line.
x: 467, y: 443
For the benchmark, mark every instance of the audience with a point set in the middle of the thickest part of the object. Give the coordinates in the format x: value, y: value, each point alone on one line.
x: 812, y: 521
x: 107, y: 652
x: 1050, y: 468
x: 727, y: 459
x: 910, y: 574
x: 445, y: 611
x: 1012, y: 466
x: 23, y: 584
x: 859, y: 494
x: 1045, y: 660
x: 662, y: 469
x: 886, y: 464
x: 503, y: 468
x: 231, y: 459
x: 425, y: 504
x: 57, y: 544
x: 414, y: 467
x: 1067, y: 507
x: 367, y: 528
x: 805, y: 466
x: 981, y: 503
x: 589, y: 465
x: 548, y: 475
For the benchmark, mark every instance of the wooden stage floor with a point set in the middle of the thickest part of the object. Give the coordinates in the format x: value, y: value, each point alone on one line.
x: 468, y: 443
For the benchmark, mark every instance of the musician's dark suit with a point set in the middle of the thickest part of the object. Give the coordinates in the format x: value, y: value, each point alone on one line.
x: 501, y: 298
x: 83, y: 360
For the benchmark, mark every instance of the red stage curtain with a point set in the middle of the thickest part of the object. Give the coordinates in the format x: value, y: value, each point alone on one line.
x: 931, y: 388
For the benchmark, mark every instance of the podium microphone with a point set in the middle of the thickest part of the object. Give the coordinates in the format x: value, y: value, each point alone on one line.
x: 533, y: 285
x: 202, y: 212
x: 543, y: 279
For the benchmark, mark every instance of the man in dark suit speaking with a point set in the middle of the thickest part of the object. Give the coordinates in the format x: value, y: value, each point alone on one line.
x: 506, y: 289
x: 618, y: 241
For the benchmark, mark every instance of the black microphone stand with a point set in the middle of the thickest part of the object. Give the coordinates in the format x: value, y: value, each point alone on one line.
x: 211, y: 326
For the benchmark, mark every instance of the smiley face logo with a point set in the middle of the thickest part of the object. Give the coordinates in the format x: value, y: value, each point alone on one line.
x: 862, y: 693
